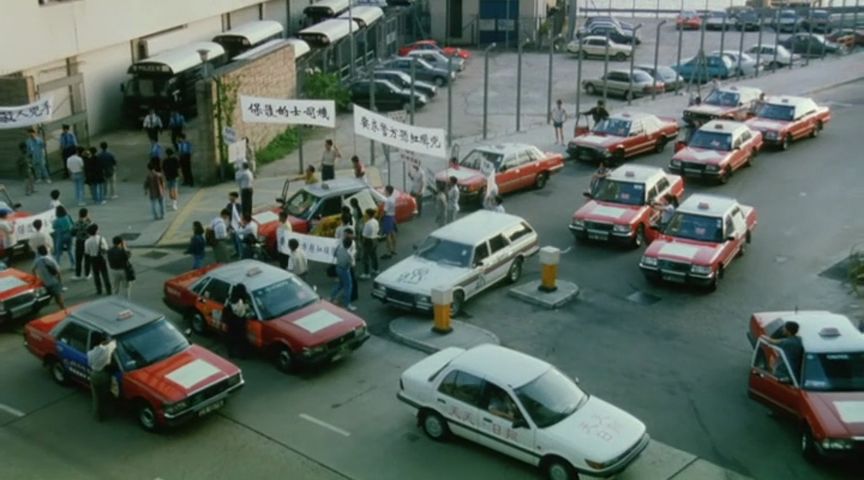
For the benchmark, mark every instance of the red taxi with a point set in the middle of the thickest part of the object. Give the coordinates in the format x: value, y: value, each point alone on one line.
x: 313, y: 203
x: 433, y: 45
x: 166, y: 379
x: 624, y: 135
x: 825, y: 393
x: 688, y: 20
x: 725, y: 103
x: 21, y: 294
x: 620, y: 207
x: 516, y: 166
x: 700, y: 241
x: 21, y: 222
x: 717, y: 150
x: 289, y: 321
x: 784, y: 119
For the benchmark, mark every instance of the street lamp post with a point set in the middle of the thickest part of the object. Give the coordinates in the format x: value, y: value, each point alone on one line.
x: 450, y: 100
x: 486, y: 88
x: 777, y: 38
x: 741, y: 52
x: 606, y: 66
x: 413, y: 79
x: 578, y: 82
x: 518, y: 85
x: 549, y: 86
x: 351, y: 36
x: 656, y: 57
x: 759, y: 44
x: 632, y: 57
x: 374, y: 109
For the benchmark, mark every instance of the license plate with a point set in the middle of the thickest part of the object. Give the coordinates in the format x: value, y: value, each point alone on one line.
x: 343, y: 351
x: 673, y: 278
x: 598, y: 236
x: 210, y: 408
x: 692, y: 170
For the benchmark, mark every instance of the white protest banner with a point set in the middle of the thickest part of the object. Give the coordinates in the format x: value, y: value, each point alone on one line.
x: 317, y: 249
x: 35, y: 113
x: 320, y: 113
x: 237, y: 153
x: 427, y: 141
x: 24, y: 225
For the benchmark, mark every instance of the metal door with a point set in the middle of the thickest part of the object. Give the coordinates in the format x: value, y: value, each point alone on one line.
x: 499, y: 21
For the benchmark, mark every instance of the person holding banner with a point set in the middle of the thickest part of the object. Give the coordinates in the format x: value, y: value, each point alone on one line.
x: 328, y: 160
x: 283, y: 251
x: 297, y: 263
x: 36, y: 152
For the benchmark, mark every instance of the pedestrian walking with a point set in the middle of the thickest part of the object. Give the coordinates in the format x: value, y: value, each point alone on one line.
x: 235, y: 315
x: 93, y: 175
x: 359, y: 168
x: 25, y: 169
x: 155, y: 154
x: 220, y: 236
x: 75, y: 167
x: 598, y: 112
x: 79, y: 233
x: 154, y: 188
x: 283, y: 251
x: 109, y: 171
x: 95, y: 248
x: 8, y: 239
x: 63, y: 226
x: 297, y: 263
x: 36, y: 152
x: 171, y: 171
x: 197, y: 245
x: 491, y: 193
x: 152, y: 125
x: 48, y: 271
x: 499, y: 204
x: 388, y: 222
x: 559, y: 116
x: 234, y: 220
x: 452, y: 200
x: 329, y: 159
x: 120, y: 265
x: 245, y: 181
x: 251, y: 159
x: 309, y: 178
x: 418, y: 185
x: 39, y: 238
x: 184, y: 148
x: 369, y: 249
x: 344, y: 261
x: 440, y: 207
x: 101, y: 361
x: 68, y: 145
x: 176, y: 123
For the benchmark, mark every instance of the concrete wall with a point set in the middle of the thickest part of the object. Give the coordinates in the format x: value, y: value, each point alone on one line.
x: 13, y: 91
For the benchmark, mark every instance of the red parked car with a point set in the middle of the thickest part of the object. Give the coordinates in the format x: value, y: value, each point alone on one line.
x: 21, y: 294
x: 688, y: 20
x: 824, y: 394
x: 785, y: 119
x: 624, y: 135
x: 289, y: 321
x: 166, y: 380
x: 433, y: 45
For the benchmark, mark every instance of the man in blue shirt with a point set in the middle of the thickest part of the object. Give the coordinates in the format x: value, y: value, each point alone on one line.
x: 176, y: 122
x: 36, y: 152
x: 68, y: 146
x: 184, y: 148
x: 155, y: 153
x: 109, y: 169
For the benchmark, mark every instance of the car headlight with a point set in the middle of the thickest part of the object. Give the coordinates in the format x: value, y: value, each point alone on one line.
x: 177, y: 407
x: 309, y: 351
x: 465, y: 188
x: 712, y: 168
x: 701, y: 269
x: 595, y: 465
x: 360, y: 331
x: 622, y: 228
x: 837, y: 444
x: 423, y: 299
x: 578, y: 223
x: 377, y: 287
x: 649, y: 261
x: 675, y: 163
x: 770, y: 135
x: 606, y: 152
x: 235, y: 380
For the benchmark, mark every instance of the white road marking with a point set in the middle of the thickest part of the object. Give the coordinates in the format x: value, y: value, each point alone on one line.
x: 11, y: 411
x: 566, y: 250
x: 321, y: 423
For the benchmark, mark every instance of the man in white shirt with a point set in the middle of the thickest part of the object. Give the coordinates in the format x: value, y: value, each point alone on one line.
x: 248, y: 235
x: 297, y: 263
x: 152, y: 125
x: 559, y: 116
x: 418, y: 186
x: 369, y: 249
x: 95, y: 247
x: 219, y: 225
x: 7, y: 234
x: 234, y: 220
x: 388, y: 223
x: 452, y: 200
x: 40, y: 237
x: 282, y: 232
x: 245, y: 180
x: 100, y: 360
x: 75, y: 165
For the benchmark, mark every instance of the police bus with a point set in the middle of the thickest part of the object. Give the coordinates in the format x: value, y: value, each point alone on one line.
x: 324, y: 9
x: 327, y: 32
x: 248, y: 35
x: 364, y: 15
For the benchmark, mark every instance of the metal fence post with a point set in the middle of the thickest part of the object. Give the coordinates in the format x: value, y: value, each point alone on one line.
x: 486, y: 88
x: 351, y: 36
x: 413, y: 90
x: 794, y: 33
x: 656, y: 59
x: 723, y: 35
x: 450, y: 100
x: 843, y: 15
x: 578, y: 82
x: 680, y: 41
x: 759, y: 43
x: 519, y: 84
x: 741, y: 52
x: 854, y: 21
x: 777, y: 39
x: 810, y: 36
x: 507, y: 26
x: 630, y: 93
x: 605, y: 66
x: 549, y: 87
x: 374, y: 109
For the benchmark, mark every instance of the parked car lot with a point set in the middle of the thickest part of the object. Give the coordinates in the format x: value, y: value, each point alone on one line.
x: 621, y: 83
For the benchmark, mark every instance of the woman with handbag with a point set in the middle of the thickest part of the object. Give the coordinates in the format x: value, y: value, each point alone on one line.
x: 122, y: 272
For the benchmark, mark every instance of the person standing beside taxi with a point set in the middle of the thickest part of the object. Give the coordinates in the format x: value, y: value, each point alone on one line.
x: 100, y: 359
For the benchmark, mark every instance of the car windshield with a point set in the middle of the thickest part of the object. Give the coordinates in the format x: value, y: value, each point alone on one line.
x: 628, y: 193
x: 722, y: 98
x: 667, y: 73
x: 300, y: 204
x: 776, y: 112
x: 550, y: 398
x: 444, y: 251
x: 283, y: 297
x: 711, y: 140
x: 695, y: 227
x: 834, y: 372
x: 149, y: 344
x: 613, y: 126
x: 475, y: 159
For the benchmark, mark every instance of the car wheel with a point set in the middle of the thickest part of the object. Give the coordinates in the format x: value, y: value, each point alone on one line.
x: 750, y: 157
x: 434, y: 425
x: 458, y: 302
x: 540, y: 181
x: 723, y: 178
x: 146, y: 416
x: 589, y: 89
x: 199, y: 325
x: 618, y: 157
x: 559, y: 469
x: 515, y: 271
x: 284, y: 359
x: 816, y: 130
x: 439, y: 81
x: 784, y: 145
x: 58, y: 373
x: 808, y: 445
x: 639, y: 238
x: 716, y: 280
x: 661, y: 145
x: 620, y: 56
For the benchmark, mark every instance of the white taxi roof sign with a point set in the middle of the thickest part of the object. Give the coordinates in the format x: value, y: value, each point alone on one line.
x: 125, y: 315
x: 253, y: 271
x: 784, y: 100
x: 829, y: 332
x: 703, y: 206
x: 625, y: 115
x: 629, y: 174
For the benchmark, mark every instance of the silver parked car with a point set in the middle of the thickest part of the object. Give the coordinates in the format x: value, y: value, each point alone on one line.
x: 766, y: 55
x: 666, y: 75
x: 747, y: 67
x: 618, y: 82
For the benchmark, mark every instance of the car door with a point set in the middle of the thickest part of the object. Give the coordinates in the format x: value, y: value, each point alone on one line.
x: 595, y: 47
x: 505, y: 423
x: 386, y: 98
x: 507, y: 176
x: 500, y: 257
x: 457, y: 399
x: 72, y: 343
x: 97, y: 337
x: 638, y: 140
x: 325, y: 216
x: 738, y: 154
x: 478, y: 279
x: 771, y: 380
x: 212, y: 301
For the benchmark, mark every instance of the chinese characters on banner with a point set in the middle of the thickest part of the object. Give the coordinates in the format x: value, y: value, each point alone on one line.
x: 426, y: 141
x: 24, y: 225
x: 37, y: 112
x: 317, y: 249
x: 320, y: 113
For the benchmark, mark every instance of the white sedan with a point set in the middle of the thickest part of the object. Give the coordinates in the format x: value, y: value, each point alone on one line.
x: 596, y: 46
x: 523, y: 407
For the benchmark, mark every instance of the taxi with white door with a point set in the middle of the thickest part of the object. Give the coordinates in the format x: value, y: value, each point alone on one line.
x: 717, y: 150
x: 699, y: 243
x: 467, y: 256
x: 621, y: 207
x: 723, y: 103
x: 523, y: 407
x: 288, y: 321
x: 785, y: 119
x: 825, y: 393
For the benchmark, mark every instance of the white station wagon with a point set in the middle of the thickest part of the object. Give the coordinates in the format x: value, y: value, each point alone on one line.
x: 523, y: 407
x: 468, y: 255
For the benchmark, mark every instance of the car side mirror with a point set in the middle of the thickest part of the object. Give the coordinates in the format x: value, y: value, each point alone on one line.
x: 730, y: 238
x: 587, y: 195
x: 187, y: 333
x: 502, y: 168
x: 16, y: 206
x: 520, y: 423
x: 784, y: 380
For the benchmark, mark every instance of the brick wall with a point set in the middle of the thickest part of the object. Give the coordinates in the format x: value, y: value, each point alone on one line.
x: 271, y: 74
x: 14, y: 91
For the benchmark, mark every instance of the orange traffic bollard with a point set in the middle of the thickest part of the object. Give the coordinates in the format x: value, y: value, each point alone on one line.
x: 549, y: 258
x: 442, y: 298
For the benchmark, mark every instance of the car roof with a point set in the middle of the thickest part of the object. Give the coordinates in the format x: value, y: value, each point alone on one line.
x: 631, y: 115
x: 824, y: 332
x: 504, y: 148
x: 501, y: 365
x: 787, y: 100
x: 740, y: 89
x: 636, y: 173
x: 722, y: 126
x: 596, y: 37
x: 476, y: 227
x: 336, y: 186
x: 707, y: 205
x: 115, y: 315
x: 252, y: 273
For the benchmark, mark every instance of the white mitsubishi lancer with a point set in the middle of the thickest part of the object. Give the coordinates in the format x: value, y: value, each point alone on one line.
x: 523, y: 407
